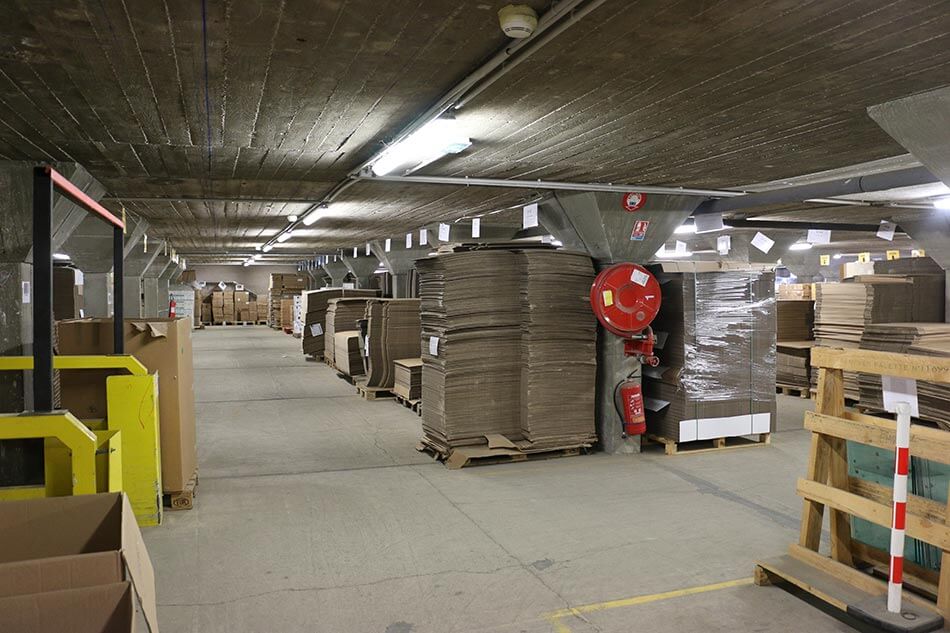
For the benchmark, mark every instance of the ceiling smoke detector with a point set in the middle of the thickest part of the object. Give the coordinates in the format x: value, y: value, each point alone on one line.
x: 518, y: 20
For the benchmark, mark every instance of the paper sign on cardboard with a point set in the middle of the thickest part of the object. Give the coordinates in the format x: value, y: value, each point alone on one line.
x: 724, y: 244
x: 530, y: 216
x: 639, y: 277
x: 476, y: 227
x: 824, y: 260
x: 708, y: 223
x: 818, y: 236
x: 408, y: 240
x: 886, y: 230
x: 423, y: 237
x: 316, y: 329
x: 434, y: 345
x: 388, y: 245
x: 222, y: 286
x: 26, y: 292
x: 444, y: 230
x: 763, y: 242
x: 900, y: 390
x: 366, y: 346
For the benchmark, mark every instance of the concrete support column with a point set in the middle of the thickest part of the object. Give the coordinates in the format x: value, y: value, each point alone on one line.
x: 97, y: 294
x: 337, y: 271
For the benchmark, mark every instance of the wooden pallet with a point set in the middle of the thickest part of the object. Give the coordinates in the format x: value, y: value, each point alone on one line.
x: 373, y: 393
x: 672, y: 447
x: 465, y: 456
x: 185, y: 499
x: 412, y: 405
x: 790, y: 390
x: 342, y: 376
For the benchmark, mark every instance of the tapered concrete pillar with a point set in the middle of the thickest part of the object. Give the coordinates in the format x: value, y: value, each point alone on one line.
x: 171, y: 272
x: 137, y: 259
x: 362, y: 267
x: 337, y: 271
x: 151, y: 284
x: 400, y: 262
x: 90, y: 249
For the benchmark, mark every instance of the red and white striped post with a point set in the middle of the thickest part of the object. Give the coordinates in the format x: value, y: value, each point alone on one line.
x: 899, y: 520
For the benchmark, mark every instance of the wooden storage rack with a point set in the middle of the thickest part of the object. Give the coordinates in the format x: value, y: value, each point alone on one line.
x: 843, y: 578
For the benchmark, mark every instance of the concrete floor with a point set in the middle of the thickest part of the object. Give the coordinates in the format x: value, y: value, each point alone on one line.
x: 316, y: 514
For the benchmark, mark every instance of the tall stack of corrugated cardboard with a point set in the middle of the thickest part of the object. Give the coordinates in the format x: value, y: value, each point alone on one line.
x: 500, y: 327
x: 716, y: 377
x: 283, y: 286
x: 342, y: 315
x: 795, y: 320
x: 314, y: 309
x: 393, y: 331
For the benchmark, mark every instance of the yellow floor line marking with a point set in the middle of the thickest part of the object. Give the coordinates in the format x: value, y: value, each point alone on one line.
x: 556, y: 617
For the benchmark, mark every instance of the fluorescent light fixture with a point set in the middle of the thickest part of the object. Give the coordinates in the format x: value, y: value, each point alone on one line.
x: 380, y: 271
x: 836, y: 256
x: 257, y: 256
x: 685, y: 228
x: 247, y: 263
x: 292, y: 218
x: 283, y: 237
x: 257, y: 248
x: 267, y: 248
x: 942, y: 203
x: 429, y: 143
x: 61, y: 256
x: 800, y: 246
x: 315, y: 215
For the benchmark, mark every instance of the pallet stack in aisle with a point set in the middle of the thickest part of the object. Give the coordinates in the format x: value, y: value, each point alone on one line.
x: 393, y: 330
x: 283, y: 286
x: 407, y: 382
x: 342, y: 315
x: 925, y: 339
x: 346, y: 353
x: 716, y: 377
x: 314, y: 308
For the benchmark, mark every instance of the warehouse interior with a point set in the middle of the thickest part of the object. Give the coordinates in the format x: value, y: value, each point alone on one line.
x: 423, y: 316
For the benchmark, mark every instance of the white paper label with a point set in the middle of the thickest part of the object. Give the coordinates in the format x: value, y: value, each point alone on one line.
x: 423, y: 237
x: 818, y: 236
x: 708, y: 223
x: 680, y: 248
x: 530, y: 216
x: 82, y: 313
x: 434, y: 345
x: 221, y: 285
x: 26, y: 292
x: 239, y: 287
x: 389, y: 244
x: 762, y: 242
x: 900, y: 390
x: 366, y: 346
x: 444, y: 230
x: 886, y: 230
x: 79, y: 278
x: 408, y: 240
x: 724, y: 244
x: 349, y: 285
x: 367, y: 248
x: 639, y: 277
x: 316, y: 329
x: 355, y: 252
x: 476, y: 227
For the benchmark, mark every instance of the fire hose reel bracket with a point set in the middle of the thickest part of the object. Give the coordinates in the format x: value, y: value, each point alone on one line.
x: 625, y: 298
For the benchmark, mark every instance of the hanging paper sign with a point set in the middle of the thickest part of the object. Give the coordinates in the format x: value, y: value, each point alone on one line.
x: 239, y: 287
x: 918, y: 252
x: 633, y: 201
x: 708, y: 223
x: 423, y: 237
x: 367, y: 248
x: 408, y: 240
x: 389, y: 244
x: 639, y: 230
x: 891, y: 255
x: 444, y: 232
x: 824, y: 260
x: 221, y: 285
x: 724, y: 244
x: 763, y: 242
x: 476, y: 227
x: 529, y: 218
x: 886, y: 230
x: 355, y: 250
x: 900, y: 390
x: 818, y: 236
x: 864, y: 258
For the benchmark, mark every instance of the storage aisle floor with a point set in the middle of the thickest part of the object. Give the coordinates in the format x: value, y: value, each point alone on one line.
x: 315, y: 513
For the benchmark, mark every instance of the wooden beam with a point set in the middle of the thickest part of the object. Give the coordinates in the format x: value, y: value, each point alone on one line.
x: 921, y: 506
x: 943, y: 586
x: 830, y: 401
x: 925, y: 442
x: 917, y: 527
x: 931, y: 368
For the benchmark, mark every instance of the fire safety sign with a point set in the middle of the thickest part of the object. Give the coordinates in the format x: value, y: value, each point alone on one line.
x: 639, y: 230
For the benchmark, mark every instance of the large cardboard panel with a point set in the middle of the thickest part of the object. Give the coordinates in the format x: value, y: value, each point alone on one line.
x: 97, y: 609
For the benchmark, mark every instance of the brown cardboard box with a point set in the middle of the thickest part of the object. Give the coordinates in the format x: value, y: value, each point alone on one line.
x: 163, y: 346
x: 56, y: 545
x: 67, y: 293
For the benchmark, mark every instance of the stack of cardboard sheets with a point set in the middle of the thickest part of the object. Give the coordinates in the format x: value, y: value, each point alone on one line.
x: 793, y: 363
x: 408, y: 378
x: 794, y: 320
x: 314, y: 308
x: 347, y: 357
x: 925, y: 339
x: 283, y: 286
x: 342, y: 315
x: 716, y: 334
x: 393, y: 331
x: 558, y: 348
x: 471, y: 346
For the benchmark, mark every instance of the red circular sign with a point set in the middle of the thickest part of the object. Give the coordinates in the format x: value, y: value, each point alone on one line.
x: 633, y: 201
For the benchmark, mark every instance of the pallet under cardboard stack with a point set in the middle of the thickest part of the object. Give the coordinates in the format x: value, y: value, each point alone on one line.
x: 716, y: 377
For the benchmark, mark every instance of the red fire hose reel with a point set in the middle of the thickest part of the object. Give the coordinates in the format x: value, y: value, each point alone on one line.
x: 626, y: 298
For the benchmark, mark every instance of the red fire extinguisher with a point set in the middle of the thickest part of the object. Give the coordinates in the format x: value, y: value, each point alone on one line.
x: 631, y: 405
x: 171, y: 309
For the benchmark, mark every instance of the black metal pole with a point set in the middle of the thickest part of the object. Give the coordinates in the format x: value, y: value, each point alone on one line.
x: 118, y: 305
x: 42, y: 290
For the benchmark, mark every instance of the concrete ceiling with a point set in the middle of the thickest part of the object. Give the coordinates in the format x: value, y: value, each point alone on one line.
x: 283, y: 98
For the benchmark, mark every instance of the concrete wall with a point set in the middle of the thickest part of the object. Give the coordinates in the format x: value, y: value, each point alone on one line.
x: 255, y: 278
